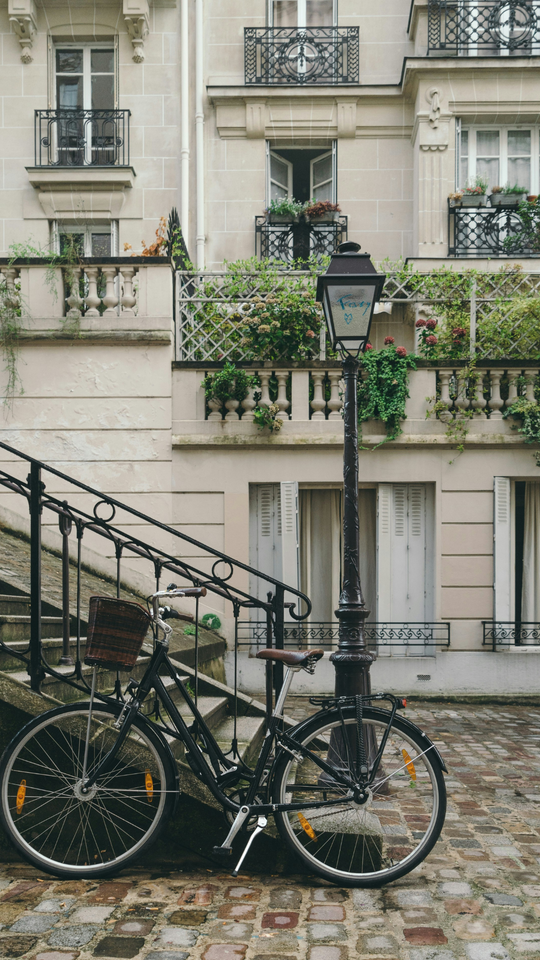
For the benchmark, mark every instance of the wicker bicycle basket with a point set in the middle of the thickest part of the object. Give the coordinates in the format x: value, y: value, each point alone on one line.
x: 116, y: 630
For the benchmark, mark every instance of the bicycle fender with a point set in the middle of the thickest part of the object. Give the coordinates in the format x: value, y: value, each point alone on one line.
x: 303, y: 726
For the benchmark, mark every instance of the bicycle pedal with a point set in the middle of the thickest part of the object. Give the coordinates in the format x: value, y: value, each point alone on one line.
x: 224, y: 852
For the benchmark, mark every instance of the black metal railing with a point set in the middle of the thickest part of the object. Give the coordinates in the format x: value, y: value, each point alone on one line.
x: 305, y: 55
x: 81, y: 138
x: 482, y: 232
x: 76, y: 523
x: 298, y: 240
x: 500, y: 634
x: 489, y: 28
x: 412, y: 639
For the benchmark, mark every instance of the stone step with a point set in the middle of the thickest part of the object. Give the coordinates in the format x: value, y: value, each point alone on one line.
x: 17, y: 627
x: 52, y: 650
x: 11, y: 603
x: 249, y: 732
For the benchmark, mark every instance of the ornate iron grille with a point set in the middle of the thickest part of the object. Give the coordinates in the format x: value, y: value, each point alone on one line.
x: 285, y: 55
x: 463, y: 27
x: 499, y: 633
x: 414, y: 639
x: 80, y: 138
x: 290, y: 242
x: 481, y: 232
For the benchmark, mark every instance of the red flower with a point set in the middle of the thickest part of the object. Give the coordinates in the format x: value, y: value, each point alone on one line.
x: 369, y: 346
x: 431, y: 340
x: 388, y: 341
x: 420, y: 323
x: 431, y: 324
x: 309, y: 333
x: 401, y: 351
x: 459, y: 332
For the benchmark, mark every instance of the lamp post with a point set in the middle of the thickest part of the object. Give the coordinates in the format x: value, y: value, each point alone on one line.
x: 349, y: 290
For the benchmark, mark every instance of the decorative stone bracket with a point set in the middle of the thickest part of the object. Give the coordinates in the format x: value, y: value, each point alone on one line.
x: 22, y: 14
x: 137, y: 19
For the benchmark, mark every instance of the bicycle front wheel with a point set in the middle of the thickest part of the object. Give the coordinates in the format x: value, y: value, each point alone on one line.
x: 57, y: 827
x: 361, y: 844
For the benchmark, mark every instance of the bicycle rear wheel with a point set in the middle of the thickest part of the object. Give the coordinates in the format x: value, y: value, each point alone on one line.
x: 52, y: 823
x: 367, y: 844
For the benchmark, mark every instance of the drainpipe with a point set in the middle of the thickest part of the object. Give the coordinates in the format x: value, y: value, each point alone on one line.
x: 184, y: 152
x: 199, y: 130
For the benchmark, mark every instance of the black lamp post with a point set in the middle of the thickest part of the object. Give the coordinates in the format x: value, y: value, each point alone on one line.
x: 349, y: 290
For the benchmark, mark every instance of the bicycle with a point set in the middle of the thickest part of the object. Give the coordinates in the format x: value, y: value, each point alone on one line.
x: 356, y: 791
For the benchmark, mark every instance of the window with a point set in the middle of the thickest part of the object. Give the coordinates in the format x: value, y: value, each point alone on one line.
x: 302, y: 13
x: 503, y: 156
x: 302, y: 174
x: 89, y: 240
x: 84, y: 81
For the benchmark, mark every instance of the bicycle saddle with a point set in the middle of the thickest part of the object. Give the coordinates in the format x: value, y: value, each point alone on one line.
x: 294, y: 658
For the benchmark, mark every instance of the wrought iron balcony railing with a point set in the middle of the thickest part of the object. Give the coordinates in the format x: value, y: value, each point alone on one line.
x: 290, y: 55
x: 482, y: 232
x: 500, y: 635
x: 292, y: 242
x: 393, y: 639
x: 80, y: 138
x: 489, y: 28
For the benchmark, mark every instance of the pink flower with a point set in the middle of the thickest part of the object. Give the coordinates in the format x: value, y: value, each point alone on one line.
x: 431, y: 340
x: 309, y: 333
x: 420, y: 323
x: 431, y: 324
x: 369, y: 346
x: 401, y: 351
x: 459, y: 332
x: 388, y: 341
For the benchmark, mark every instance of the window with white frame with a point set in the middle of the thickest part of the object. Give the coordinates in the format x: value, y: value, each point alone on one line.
x: 304, y: 174
x: 302, y: 13
x: 98, y: 239
x: 503, y: 155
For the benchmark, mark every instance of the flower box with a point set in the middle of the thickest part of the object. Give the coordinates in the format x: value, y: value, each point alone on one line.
x: 473, y: 200
x: 329, y: 217
x: 506, y: 199
x: 281, y: 218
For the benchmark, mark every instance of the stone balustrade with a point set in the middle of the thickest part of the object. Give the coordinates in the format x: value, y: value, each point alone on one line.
x: 298, y: 394
x: 487, y: 391
x: 101, y: 291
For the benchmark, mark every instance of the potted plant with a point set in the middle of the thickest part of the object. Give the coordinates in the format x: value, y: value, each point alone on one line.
x: 474, y: 195
x: 284, y: 210
x: 228, y: 386
x: 507, y: 196
x: 454, y: 199
x: 321, y: 211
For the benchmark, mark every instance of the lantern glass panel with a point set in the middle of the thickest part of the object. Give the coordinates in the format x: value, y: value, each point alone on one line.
x: 351, y: 308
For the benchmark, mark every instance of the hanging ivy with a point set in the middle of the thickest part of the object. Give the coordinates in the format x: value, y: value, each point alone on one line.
x: 382, y: 395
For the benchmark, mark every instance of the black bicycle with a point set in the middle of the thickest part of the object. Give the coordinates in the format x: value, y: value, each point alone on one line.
x: 356, y: 791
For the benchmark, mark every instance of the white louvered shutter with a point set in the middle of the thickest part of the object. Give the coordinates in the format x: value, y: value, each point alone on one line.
x: 384, y: 552
x: 265, y: 536
x: 290, y: 538
x: 502, y: 549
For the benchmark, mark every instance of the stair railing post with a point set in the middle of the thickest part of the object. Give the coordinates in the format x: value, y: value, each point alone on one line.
x: 36, y: 488
x: 65, y: 524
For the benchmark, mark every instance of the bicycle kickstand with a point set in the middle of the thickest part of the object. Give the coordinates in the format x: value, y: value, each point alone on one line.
x: 261, y: 824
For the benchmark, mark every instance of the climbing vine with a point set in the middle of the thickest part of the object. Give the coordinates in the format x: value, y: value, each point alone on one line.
x: 528, y: 412
x: 233, y: 383
x: 383, y: 393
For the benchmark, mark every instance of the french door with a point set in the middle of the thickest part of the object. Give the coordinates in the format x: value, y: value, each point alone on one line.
x: 85, y: 100
x: 302, y: 13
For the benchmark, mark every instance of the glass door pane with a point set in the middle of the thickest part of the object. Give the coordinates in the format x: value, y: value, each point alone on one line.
x: 69, y: 126
x: 280, y: 177
x: 487, y: 156
x: 319, y: 13
x: 321, y: 177
x: 104, y: 133
x: 285, y: 13
x: 519, y: 158
x: 464, y: 159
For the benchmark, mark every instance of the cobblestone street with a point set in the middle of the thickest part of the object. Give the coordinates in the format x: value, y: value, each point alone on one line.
x: 476, y: 897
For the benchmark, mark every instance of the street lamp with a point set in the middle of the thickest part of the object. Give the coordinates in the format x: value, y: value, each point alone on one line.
x: 348, y: 291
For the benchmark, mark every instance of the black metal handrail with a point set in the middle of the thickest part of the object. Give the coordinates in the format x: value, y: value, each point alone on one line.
x: 428, y: 635
x: 297, y: 240
x: 73, y: 520
x: 301, y: 55
x: 482, y: 232
x: 81, y: 138
x: 488, y: 28
x: 510, y: 633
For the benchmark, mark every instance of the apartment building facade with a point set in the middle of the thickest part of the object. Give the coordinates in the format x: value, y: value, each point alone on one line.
x: 113, y: 117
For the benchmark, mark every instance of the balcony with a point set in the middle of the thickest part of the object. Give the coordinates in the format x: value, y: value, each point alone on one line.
x: 296, y: 241
x: 482, y: 232
x: 81, y: 138
x: 308, y: 55
x: 501, y: 635
x: 489, y: 29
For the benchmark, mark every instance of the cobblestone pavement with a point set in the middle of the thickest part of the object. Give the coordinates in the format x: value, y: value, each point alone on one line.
x: 476, y: 897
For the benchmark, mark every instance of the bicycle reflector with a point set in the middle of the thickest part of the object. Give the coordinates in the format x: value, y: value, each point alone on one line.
x: 21, y: 796
x: 409, y: 765
x: 149, y: 785
x: 307, y: 827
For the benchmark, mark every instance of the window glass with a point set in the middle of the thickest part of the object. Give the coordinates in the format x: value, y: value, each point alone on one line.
x: 519, y: 158
x: 487, y: 156
x: 102, y: 92
x: 464, y: 158
x: 285, y: 13
x: 69, y: 61
x: 319, y: 13
x: 102, y: 61
x: 72, y: 242
x: 322, y: 178
x: 69, y: 80
x: 101, y: 244
x: 279, y: 178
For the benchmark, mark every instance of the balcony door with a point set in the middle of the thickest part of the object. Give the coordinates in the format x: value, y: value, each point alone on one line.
x: 302, y: 13
x: 83, y: 123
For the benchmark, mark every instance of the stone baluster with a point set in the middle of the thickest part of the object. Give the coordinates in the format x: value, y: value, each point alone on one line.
x: 248, y: 404
x: 496, y: 403
x: 529, y: 384
x: 92, y: 298
x: 335, y: 403
x: 281, y: 400
x: 215, y: 408
x: 318, y: 404
x: 264, y: 377
x: 74, y: 300
x: 444, y: 380
x: 513, y: 376
x: 478, y: 402
x: 11, y: 275
x: 110, y: 299
x: 462, y: 401
x: 128, y: 297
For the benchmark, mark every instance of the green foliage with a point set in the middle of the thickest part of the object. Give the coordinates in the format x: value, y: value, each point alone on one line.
x: 285, y: 206
x: 383, y: 394
x: 528, y: 233
x: 456, y: 421
x: 268, y: 417
x: 528, y: 411
x: 229, y: 383
x: 285, y: 325
x: 515, y: 189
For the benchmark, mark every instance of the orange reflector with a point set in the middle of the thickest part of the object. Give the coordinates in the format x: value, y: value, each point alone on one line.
x: 307, y: 827
x: 409, y: 764
x: 149, y: 784
x: 21, y: 795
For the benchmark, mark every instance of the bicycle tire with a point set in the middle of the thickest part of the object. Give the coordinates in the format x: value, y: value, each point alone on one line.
x: 59, y: 830
x: 374, y: 843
